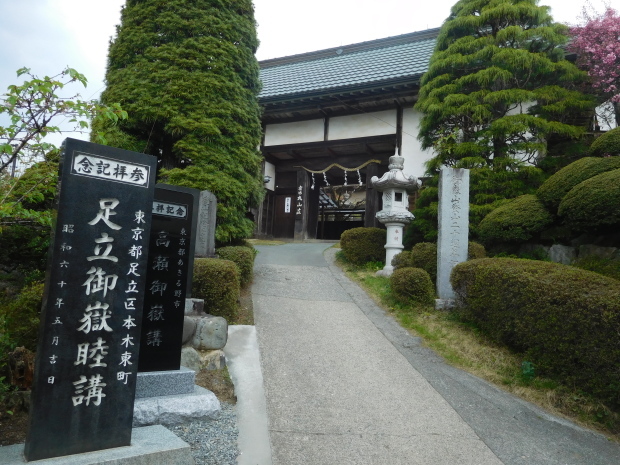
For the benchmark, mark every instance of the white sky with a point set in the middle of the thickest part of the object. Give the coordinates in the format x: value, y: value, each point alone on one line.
x: 48, y: 35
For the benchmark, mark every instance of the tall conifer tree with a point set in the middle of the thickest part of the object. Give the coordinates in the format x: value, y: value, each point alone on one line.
x: 186, y: 74
x: 498, y: 86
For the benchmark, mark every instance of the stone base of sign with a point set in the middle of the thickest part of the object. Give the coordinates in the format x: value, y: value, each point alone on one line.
x: 175, y: 410
x: 165, y: 383
x: 154, y: 445
x: 444, y: 304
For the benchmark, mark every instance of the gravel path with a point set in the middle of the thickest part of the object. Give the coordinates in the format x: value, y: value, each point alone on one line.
x: 213, y: 442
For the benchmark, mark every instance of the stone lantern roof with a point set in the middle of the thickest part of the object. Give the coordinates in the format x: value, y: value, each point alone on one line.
x: 395, y: 178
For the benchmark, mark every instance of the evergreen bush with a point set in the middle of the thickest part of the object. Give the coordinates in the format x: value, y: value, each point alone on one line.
x: 563, y: 319
x: 402, y: 260
x: 517, y: 221
x: 20, y: 317
x: 362, y: 245
x: 217, y: 282
x: 606, y: 144
x: 412, y: 285
x: 424, y: 255
x: 553, y: 190
x: 243, y: 257
x: 593, y: 205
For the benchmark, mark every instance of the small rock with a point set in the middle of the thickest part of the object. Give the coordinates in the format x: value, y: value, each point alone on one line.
x: 189, y: 329
x: 211, y: 333
x: 213, y: 360
x: 190, y: 358
x: 562, y: 254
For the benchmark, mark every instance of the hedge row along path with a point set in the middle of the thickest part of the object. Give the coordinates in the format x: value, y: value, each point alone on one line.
x: 345, y: 384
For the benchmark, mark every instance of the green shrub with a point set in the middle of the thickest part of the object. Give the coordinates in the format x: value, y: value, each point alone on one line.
x: 402, y: 260
x: 606, y: 144
x: 557, y: 186
x: 243, y: 258
x: 21, y: 317
x: 475, y: 250
x: 605, y: 266
x: 565, y: 320
x: 593, y: 205
x: 424, y: 255
x: 412, y: 285
x: 217, y: 282
x: 361, y: 245
x: 517, y: 221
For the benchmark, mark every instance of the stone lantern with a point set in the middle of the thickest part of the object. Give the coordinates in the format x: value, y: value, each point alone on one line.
x: 395, y: 186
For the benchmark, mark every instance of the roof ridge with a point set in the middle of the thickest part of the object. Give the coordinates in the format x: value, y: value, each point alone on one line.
x: 352, y: 48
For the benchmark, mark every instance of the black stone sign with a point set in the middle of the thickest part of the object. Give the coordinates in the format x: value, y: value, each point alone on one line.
x: 168, y: 276
x: 89, y: 339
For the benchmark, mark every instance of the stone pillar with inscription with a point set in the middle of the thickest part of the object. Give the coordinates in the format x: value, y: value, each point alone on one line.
x: 87, y: 354
x: 300, y: 207
x: 205, y: 229
x: 169, y: 276
x: 453, y: 238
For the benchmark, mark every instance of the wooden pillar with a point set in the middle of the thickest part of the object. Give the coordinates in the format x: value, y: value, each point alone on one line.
x: 302, y: 204
x: 372, y: 198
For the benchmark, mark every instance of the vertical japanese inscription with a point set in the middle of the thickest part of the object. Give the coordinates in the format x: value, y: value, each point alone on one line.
x: 169, y: 270
x: 83, y: 392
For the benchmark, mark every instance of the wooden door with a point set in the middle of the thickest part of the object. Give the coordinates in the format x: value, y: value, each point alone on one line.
x: 284, y: 218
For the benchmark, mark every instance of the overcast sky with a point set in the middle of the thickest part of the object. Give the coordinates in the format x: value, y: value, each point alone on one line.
x: 48, y: 35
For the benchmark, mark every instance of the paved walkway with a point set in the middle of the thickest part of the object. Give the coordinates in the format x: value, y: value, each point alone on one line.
x: 345, y: 384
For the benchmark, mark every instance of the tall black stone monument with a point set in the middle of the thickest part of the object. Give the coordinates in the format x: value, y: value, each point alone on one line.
x: 169, y: 276
x: 89, y: 339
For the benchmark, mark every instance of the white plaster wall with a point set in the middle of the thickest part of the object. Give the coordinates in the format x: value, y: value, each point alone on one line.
x: 270, y: 170
x: 294, y: 133
x: 411, y: 147
x: 363, y: 125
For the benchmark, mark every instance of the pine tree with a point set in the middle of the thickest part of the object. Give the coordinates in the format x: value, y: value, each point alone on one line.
x: 498, y: 86
x: 186, y: 74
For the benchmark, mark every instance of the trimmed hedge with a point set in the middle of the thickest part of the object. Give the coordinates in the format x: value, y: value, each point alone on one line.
x: 424, y: 255
x: 593, y: 205
x: 565, y: 320
x: 606, y: 144
x: 217, y: 282
x: 243, y: 257
x: 363, y: 245
x: 517, y: 221
x: 553, y: 190
x: 412, y: 285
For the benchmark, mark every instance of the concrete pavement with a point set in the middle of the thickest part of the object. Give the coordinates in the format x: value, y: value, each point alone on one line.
x: 345, y: 384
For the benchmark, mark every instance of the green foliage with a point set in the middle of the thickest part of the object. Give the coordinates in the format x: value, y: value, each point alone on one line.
x: 243, y: 257
x: 424, y: 255
x: 412, y: 285
x: 402, y: 260
x: 19, y: 317
x: 217, y: 282
x: 517, y: 221
x: 565, y: 320
x: 553, y: 190
x: 361, y: 245
x: 605, y: 266
x: 186, y: 73
x: 475, y: 251
x: 498, y: 85
x: 592, y: 206
x: 33, y: 109
x: 606, y: 144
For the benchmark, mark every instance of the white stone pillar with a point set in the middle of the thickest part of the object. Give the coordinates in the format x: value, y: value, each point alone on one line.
x: 393, y: 245
x: 453, y: 240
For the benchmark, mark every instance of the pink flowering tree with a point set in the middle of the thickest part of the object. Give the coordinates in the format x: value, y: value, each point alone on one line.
x: 597, y: 45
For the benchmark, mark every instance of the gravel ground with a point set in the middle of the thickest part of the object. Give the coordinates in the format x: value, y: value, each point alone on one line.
x: 213, y: 442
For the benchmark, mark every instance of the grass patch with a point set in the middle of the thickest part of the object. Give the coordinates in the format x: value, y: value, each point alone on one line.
x: 464, y: 346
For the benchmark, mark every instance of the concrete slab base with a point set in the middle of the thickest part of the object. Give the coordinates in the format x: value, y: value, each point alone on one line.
x: 444, y: 304
x: 174, y: 410
x: 165, y: 383
x: 152, y: 445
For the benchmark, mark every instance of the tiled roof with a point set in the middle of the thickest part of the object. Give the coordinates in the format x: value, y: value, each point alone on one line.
x: 358, y: 65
